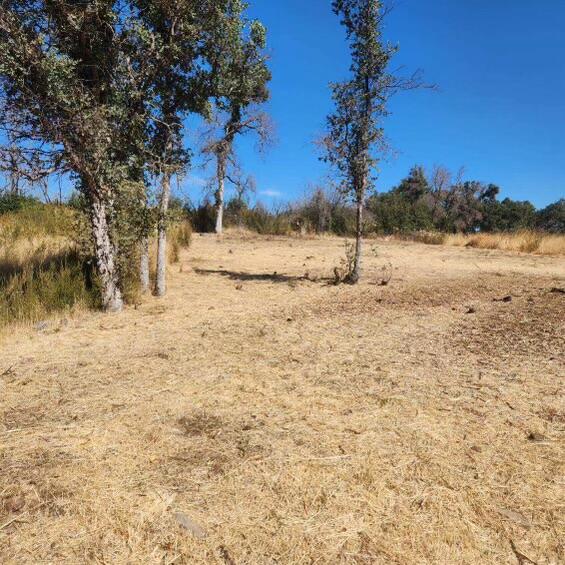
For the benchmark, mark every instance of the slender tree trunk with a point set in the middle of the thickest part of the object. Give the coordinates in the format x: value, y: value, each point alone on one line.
x: 144, y: 265
x: 161, y: 282
x: 356, y: 274
x: 105, y: 252
x: 221, y: 173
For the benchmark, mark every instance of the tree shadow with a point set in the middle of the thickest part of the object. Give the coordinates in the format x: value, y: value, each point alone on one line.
x: 261, y: 277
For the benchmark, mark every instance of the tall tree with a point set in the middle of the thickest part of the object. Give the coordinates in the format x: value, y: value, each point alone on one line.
x: 187, y: 42
x: 241, y: 77
x: 355, y: 129
x: 174, y: 38
x: 65, y: 87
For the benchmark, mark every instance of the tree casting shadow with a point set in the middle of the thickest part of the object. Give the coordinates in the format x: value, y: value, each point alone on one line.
x: 269, y: 277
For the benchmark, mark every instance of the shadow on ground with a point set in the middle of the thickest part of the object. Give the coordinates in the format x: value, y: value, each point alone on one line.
x: 268, y: 277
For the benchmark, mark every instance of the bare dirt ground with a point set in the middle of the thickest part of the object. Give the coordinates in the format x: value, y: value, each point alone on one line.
x: 255, y: 416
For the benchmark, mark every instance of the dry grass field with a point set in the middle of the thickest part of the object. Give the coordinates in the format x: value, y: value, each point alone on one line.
x: 259, y: 415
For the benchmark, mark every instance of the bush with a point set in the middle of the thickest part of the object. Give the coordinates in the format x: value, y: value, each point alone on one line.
x: 14, y: 202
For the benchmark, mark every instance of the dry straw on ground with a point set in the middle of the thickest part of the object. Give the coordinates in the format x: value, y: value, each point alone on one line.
x: 258, y: 417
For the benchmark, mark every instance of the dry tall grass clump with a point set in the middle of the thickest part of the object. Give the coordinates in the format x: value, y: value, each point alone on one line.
x: 41, y: 269
x: 526, y: 241
x: 36, y: 222
x: 41, y: 276
x: 180, y: 236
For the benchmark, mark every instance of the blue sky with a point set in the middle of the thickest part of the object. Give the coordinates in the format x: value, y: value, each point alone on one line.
x: 499, y: 110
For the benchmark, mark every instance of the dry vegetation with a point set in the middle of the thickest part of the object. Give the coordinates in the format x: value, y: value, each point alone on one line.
x: 259, y: 415
x: 42, y: 268
x: 526, y: 241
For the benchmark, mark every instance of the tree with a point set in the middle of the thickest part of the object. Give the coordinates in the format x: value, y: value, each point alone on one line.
x: 355, y: 129
x: 241, y: 76
x: 507, y: 215
x: 552, y: 218
x: 415, y: 186
x: 65, y: 93
x: 175, y: 37
x: 185, y: 40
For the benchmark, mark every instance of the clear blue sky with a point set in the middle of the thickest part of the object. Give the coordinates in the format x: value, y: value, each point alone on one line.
x: 499, y: 110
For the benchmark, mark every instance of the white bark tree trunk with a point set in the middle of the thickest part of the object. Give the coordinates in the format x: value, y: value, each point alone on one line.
x: 105, y: 253
x: 356, y: 274
x: 221, y: 172
x: 161, y: 281
x: 144, y: 266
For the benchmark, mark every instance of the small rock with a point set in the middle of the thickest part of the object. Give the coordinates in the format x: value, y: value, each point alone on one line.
x: 238, y: 287
x: 190, y: 525
x: 471, y: 310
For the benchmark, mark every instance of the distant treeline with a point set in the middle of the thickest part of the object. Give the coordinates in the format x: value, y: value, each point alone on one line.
x: 421, y: 202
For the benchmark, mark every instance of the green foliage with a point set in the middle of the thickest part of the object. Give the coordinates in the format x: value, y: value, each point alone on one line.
x: 14, y: 202
x: 552, y: 218
x: 397, y: 212
x: 41, y: 270
x: 507, y: 215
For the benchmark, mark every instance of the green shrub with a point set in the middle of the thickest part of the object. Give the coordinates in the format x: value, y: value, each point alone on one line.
x: 15, y: 202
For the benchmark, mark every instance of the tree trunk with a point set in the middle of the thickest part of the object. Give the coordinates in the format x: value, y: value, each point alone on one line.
x: 144, y: 266
x: 356, y: 274
x: 221, y: 173
x: 161, y: 282
x: 105, y: 252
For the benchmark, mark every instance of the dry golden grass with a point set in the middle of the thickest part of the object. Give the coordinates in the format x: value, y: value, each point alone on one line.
x: 523, y: 241
x: 39, y: 276
x: 286, y: 421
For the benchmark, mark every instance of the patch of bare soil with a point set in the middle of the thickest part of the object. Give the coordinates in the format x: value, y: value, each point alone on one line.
x: 261, y: 415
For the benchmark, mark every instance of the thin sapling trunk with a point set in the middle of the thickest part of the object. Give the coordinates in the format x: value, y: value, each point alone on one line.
x: 221, y: 173
x: 144, y: 266
x: 356, y: 273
